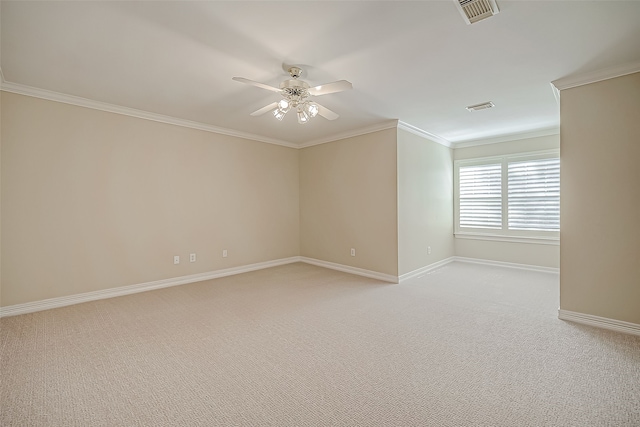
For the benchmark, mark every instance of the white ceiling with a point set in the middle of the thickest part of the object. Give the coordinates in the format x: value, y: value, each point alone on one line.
x: 414, y: 61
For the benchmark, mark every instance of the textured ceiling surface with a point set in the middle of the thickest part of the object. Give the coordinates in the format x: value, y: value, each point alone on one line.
x: 415, y: 61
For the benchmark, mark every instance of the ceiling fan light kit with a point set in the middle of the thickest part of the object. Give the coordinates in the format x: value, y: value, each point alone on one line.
x: 295, y: 95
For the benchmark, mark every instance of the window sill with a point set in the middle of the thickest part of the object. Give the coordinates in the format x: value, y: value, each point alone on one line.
x: 512, y: 239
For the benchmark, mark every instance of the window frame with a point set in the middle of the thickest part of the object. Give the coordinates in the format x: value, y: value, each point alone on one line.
x: 504, y: 234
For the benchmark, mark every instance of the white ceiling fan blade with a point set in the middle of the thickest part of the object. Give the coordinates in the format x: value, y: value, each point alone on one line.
x: 334, y: 87
x: 326, y: 113
x: 263, y: 110
x: 257, y: 84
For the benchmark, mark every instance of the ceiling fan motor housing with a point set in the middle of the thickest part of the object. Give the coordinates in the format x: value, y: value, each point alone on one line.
x: 295, y: 88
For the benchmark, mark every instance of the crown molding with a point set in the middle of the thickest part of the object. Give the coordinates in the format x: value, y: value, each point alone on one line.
x: 508, y: 137
x: 111, y: 108
x: 596, y: 76
x: 132, y: 112
x: 556, y: 93
x: 390, y: 124
x: 424, y: 134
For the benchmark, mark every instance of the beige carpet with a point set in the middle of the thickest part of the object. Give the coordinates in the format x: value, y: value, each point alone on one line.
x: 299, y: 345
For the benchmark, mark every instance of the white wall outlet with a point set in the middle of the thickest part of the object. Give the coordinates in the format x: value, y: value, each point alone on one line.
x: 353, y: 251
x: 224, y: 253
x: 429, y: 250
x: 176, y: 259
x: 192, y: 257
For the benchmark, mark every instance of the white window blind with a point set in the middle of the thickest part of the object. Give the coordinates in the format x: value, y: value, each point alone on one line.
x: 480, y: 196
x: 534, y: 195
x: 513, y: 197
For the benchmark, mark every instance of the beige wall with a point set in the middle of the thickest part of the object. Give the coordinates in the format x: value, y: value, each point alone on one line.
x: 534, y: 254
x: 425, y: 202
x: 600, y: 204
x: 348, y: 199
x: 93, y: 200
x: 542, y: 255
x: 1, y: 95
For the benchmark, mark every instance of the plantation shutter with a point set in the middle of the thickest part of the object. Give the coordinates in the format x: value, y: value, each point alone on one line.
x: 481, y: 196
x: 534, y: 195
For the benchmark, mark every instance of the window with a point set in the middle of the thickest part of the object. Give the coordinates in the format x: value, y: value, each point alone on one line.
x: 534, y: 194
x: 481, y: 196
x: 509, y: 198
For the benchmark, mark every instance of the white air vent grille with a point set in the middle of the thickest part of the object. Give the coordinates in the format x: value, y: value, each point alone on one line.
x: 477, y: 10
x: 482, y: 106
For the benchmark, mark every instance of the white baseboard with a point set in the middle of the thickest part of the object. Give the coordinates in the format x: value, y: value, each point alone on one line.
x: 30, y: 307
x: 507, y: 264
x: 47, y: 304
x: 353, y: 270
x: 422, y: 270
x: 600, y: 322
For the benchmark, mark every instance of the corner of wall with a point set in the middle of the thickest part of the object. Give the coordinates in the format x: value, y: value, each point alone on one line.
x: 600, y: 199
x: 348, y: 199
x: 425, y: 202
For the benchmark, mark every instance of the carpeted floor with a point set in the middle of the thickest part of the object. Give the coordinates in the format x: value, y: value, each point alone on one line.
x: 298, y: 345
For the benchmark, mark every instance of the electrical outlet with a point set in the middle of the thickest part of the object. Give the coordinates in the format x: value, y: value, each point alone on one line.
x: 192, y: 258
x: 224, y: 253
x: 176, y: 259
x: 353, y: 251
x: 429, y: 250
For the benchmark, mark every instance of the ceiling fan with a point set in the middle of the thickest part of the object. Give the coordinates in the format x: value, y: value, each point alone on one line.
x: 296, y: 95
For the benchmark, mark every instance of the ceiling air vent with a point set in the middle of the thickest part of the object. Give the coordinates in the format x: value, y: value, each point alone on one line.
x: 482, y: 106
x: 476, y: 10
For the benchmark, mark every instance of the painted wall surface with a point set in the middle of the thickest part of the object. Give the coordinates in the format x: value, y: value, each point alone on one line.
x: 1, y: 95
x: 425, y: 202
x: 600, y: 204
x: 543, y: 255
x: 94, y: 200
x: 348, y: 199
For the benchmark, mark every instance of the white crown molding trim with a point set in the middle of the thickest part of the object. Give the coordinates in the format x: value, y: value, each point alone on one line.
x: 492, y: 263
x: 132, y: 112
x: 425, y: 269
x: 550, y: 131
x: 352, y: 270
x: 31, y: 307
x: 600, y: 322
x: 596, y: 76
x: 556, y: 93
x: 350, y: 134
x: 424, y: 134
